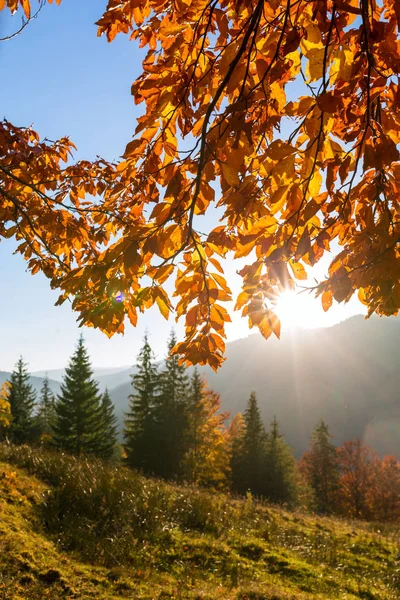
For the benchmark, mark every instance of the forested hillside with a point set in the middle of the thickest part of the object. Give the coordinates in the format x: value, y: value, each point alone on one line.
x: 347, y: 375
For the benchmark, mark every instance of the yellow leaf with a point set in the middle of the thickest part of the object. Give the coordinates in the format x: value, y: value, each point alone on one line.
x: 342, y: 66
x: 362, y: 297
x: 326, y: 300
x: 132, y: 315
x: 222, y: 282
x: 171, y: 145
x: 163, y: 273
x: 270, y: 324
x: 315, y: 184
x: 163, y: 307
x: 315, y: 64
x: 298, y: 270
x: 230, y: 174
x: 278, y: 95
x: 216, y: 264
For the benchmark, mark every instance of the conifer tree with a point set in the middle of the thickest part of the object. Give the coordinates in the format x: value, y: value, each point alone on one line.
x: 206, y: 460
x: 108, y: 430
x: 139, y: 431
x: 171, y: 416
x: 78, y: 415
x: 22, y: 400
x: 250, y: 465
x: 280, y: 468
x: 235, y: 444
x: 320, y: 467
x: 46, y: 413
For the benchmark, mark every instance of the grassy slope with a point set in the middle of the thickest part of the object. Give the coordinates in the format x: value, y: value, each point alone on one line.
x: 261, y: 553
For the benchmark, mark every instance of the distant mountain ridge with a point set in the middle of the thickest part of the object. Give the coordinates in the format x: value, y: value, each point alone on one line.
x: 107, y: 377
x: 347, y: 374
x: 36, y: 382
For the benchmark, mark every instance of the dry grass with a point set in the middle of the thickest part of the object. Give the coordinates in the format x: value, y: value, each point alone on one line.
x: 84, y: 529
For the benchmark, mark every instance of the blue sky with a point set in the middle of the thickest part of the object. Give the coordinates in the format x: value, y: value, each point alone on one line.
x: 65, y: 80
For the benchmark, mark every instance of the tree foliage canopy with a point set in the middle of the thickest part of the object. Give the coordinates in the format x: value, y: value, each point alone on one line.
x: 283, y: 114
x: 5, y: 408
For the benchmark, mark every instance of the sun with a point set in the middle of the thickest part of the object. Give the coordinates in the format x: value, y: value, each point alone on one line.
x: 298, y: 310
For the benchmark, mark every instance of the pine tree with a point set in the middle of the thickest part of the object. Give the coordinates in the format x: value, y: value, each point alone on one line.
x: 46, y: 413
x: 280, y: 468
x: 78, y: 415
x: 250, y: 465
x: 320, y: 467
x: 206, y: 460
x: 108, y: 431
x: 22, y: 400
x: 171, y: 416
x: 139, y: 431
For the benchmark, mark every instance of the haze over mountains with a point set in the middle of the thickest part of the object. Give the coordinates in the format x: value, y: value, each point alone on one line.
x: 347, y: 374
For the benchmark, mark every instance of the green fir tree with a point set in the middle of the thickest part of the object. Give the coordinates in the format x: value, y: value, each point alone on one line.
x: 320, y: 466
x: 249, y: 461
x: 139, y: 422
x: 46, y: 413
x: 22, y: 400
x: 235, y: 442
x: 280, y: 468
x: 109, y: 429
x: 78, y: 411
x: 171, y: 416
x: 196, y: 416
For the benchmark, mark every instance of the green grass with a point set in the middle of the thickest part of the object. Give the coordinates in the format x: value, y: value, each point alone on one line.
x: 84, y: 529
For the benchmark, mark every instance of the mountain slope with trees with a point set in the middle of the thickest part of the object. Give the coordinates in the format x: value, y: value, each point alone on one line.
x: 347, y: 375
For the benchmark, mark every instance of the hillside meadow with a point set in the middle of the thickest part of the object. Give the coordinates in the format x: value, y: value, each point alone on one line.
x: 77, y: 528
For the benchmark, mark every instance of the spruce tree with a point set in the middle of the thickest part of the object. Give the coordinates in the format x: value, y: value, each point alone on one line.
x: 139, y: 431
x: 46, y: 414
x: 171, y: 416
x: 235, y: 441
x: 196, y: 414
x: 78, y: 413
x: 250, y: 465
x: 280, y: 468
x: 108, y: 430
x: 320, y: 467
x: 206, y: 460
x: 22, y: 400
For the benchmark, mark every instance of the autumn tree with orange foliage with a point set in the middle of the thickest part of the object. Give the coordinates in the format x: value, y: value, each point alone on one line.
x: 384, y: 492
x: 283, y: 114
x: 5, y: 408
x: 355, y: 481
x: 206, y: 460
